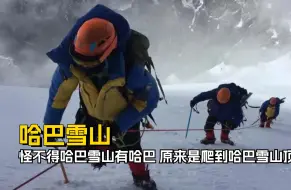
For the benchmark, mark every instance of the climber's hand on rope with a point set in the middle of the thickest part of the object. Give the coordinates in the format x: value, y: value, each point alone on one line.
x: 146, y: 124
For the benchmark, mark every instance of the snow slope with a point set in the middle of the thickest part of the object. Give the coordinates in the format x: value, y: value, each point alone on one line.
x: 26, y: 105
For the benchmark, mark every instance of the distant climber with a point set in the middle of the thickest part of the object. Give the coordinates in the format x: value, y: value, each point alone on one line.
x: 269, y: 111
x: 224, y: 106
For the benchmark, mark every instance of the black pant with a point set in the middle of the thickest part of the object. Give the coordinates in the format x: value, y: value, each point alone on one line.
x: 131, y: 140
x: 263, y: 117
x: 211, y: 121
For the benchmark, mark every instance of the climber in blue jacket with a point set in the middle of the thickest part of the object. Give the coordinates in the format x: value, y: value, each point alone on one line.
x: 225, y: 107
x: 91, y: 56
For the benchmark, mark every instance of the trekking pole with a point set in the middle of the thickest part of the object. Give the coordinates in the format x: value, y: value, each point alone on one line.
x: 196, y: 110
x: 256, y: 121
x: 63, y: 171
x: 187, y: 129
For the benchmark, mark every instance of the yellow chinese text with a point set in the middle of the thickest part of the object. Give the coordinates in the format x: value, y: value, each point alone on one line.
x: 30, y: 136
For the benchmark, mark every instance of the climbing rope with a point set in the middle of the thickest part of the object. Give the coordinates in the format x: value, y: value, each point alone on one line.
x: 119, y: 142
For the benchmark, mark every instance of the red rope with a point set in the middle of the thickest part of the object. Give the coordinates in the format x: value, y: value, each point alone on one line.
x: 37, y: 175
x: 164, y: 130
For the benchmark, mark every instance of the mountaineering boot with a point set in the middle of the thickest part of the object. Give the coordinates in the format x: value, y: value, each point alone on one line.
x: 209, y: 139
x: 98, y: 165
x: 144, y: 181
x: 268, y: 124
x: 227, y: 141
x: 262, y: 125
x: 141, y: 176
x: 224, y: 138
x: 104, y: 150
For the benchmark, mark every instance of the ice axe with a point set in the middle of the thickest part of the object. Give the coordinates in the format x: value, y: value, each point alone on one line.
x: 282, y: 100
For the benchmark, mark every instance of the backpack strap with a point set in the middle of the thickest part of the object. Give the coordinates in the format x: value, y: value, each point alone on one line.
x: 149, y: 65
x: 137, y: 53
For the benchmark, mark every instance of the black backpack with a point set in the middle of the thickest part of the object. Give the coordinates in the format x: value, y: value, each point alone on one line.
x: 137, y: 53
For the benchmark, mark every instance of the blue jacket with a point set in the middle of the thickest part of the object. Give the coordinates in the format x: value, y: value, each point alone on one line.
x: 140, y: 82
x: 231, y: 111
x: 265, y: 105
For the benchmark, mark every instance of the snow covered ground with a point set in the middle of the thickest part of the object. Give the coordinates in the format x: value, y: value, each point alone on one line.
x: 24, y: 105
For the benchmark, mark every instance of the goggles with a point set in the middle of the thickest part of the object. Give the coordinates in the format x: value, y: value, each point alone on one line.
x: 86, y: 64
x: 83, y: 61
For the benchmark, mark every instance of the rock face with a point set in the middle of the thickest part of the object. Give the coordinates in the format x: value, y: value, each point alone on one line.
x: 188, y: 36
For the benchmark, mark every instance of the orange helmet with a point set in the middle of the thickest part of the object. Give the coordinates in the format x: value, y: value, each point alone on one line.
x: 223, y: 95
x: 94, y: 42
x: 273, y: 101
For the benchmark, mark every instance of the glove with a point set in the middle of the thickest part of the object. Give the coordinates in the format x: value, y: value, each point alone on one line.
x: 147, y: 125
x: 192, y: 103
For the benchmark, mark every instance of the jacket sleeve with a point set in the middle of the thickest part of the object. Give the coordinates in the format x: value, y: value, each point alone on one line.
x: 137, y: 78
x: 264, y: 106
x: 204, y: 96
x: 60, y: 92
x: 146, y: 98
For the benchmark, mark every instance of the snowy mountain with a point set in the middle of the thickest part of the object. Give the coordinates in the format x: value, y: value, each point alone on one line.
x: 187, y: 36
